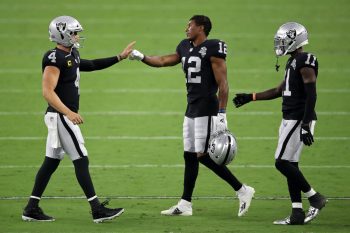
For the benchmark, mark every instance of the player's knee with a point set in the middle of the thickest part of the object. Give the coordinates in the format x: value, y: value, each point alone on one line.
x: 190, y: 155
x: 281, y: 164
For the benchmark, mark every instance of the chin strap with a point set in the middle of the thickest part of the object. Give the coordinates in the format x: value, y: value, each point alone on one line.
x: 277, y: 66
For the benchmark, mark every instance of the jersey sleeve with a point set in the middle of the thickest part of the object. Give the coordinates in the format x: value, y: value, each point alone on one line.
x: 52, y: 58
x: 307, y: 60
x: 179, y: 48
x: 217, y: 48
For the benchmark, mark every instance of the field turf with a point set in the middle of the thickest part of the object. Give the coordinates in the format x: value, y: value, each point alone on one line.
x: 133, y: 115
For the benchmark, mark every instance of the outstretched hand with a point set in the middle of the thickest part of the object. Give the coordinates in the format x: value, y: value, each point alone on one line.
x: 127, y: 50
x: 136, y: 55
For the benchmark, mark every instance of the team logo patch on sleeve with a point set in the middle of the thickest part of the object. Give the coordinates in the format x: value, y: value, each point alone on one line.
x: 203, y: 51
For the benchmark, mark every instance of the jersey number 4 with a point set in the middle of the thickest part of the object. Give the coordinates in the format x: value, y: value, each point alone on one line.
x: 52, y: 57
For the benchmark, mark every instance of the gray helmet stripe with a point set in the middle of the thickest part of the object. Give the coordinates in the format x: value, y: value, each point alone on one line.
x: 228, y: 149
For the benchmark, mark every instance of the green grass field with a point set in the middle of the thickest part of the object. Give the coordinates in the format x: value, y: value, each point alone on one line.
x: 133, y: 115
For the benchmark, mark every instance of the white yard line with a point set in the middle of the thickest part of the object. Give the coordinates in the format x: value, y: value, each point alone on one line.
x: 163, y: 197
x: 169, y: 113
x: 118, y: 166
x: 150, y: 138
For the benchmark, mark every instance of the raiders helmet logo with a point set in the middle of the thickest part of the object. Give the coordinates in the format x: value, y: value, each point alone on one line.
x: 292, y: 34
x: 61, y: 27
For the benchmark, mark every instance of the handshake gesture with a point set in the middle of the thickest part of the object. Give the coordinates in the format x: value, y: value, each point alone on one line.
x: 136, y: 55
x: 133, y: 54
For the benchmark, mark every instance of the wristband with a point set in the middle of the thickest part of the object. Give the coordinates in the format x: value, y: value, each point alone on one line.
x: 254, y: 96
x: 119, y: 57
x: 222, y: 110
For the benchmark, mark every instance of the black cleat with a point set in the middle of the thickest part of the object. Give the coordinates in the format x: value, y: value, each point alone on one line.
x: 36, y: 214
x: 296, y: 218
x: 317, y: 202
x: 102, y: 213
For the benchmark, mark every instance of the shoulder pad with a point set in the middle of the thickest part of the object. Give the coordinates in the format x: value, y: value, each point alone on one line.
x: 306, y: 60
x: 217, y: 48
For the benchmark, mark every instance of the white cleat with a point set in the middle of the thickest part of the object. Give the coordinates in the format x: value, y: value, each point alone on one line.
x: 317, y: 202
x: 245, y: 196
x: 311, y: 214
x: 183, y: 208
x: 285, y: 221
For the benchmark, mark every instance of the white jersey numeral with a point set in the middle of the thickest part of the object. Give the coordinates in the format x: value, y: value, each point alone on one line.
x: 287, y: 92
x: 307, y: 62
x: 52, y: 57
x: 196, y: 69
x: 222, y: 48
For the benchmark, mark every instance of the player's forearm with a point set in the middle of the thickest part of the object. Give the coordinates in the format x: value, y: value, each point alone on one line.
x: 223, y: 97
x: 55, y: 102
x: 310, y: 102
x: 98, y: 64
x: 154, y: 61
x: 268, y: 94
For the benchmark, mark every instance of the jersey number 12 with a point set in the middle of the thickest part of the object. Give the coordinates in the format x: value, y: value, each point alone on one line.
x: 191, y: 70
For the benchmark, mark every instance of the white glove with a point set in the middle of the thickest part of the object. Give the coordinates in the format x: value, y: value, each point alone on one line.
x: 136, y: 55
x: 221, y: 122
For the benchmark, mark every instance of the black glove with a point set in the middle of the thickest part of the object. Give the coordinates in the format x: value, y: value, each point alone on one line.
x: 306, y: 135
x: 241, y: 99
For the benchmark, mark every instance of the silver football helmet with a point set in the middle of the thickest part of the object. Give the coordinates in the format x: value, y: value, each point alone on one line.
x: 63, y: 29
x: 222, y: 147
x: 289, y: 37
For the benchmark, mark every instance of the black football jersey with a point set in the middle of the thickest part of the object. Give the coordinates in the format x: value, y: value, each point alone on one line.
x: 293, y: 93
x: 67, y: 87
x: 200, y: 80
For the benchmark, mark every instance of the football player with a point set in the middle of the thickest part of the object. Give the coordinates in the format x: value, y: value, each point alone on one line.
x: 61, y: 68
x: 298, y: 91
x: 204, y: 65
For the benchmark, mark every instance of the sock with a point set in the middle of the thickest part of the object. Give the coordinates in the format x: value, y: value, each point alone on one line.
x: 294, y: 191
x: 294, y: 188
x: 291, y: 171
x: 297, y: 205
x: 33, y: 202
x: 42, y: 178
x: 83, y: 176
x: 94, y: 202
x: 241, y: 190
x: 190, y: 175
x: 310, y: 193
x: 222, y: 171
